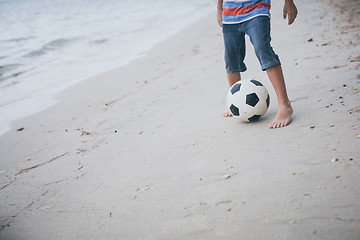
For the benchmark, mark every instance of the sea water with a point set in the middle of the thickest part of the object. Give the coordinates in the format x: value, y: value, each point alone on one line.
x: 49, y: 45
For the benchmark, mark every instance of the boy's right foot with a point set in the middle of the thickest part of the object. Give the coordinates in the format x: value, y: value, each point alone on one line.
x: 227, y: 113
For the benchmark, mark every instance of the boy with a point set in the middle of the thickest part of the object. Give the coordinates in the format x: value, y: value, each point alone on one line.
x: 252, y: 17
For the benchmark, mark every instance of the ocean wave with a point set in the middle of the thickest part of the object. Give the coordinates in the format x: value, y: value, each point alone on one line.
x: 100, y: 41
x: 11, y: 71
x: 20, y: 39
x: 10, y: 84
x: 7, y: 68
x: 51, y: 46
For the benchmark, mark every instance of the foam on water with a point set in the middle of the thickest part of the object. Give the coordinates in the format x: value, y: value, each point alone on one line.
x: 47, y: 46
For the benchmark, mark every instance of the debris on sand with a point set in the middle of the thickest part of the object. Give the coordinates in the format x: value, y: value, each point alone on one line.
x: 226, y: 176
x: 84, y: 133
x: 40, y: 164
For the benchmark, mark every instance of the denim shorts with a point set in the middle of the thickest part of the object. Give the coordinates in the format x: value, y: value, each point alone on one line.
x: 258, y: 29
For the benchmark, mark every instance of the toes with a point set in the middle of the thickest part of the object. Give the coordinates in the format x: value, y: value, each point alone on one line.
x: 276, y: 124
x: 279, y: 124
x: 227, y: 114
x: 272, y: 125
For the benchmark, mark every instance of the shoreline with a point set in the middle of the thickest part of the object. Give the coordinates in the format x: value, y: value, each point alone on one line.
x: 142, y: 151
x: 29, y: 93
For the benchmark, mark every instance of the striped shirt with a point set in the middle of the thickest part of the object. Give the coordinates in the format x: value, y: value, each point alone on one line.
x: 237, y: 11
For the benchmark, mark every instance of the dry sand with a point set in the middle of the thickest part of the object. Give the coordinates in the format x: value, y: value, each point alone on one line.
x: 142, y: 152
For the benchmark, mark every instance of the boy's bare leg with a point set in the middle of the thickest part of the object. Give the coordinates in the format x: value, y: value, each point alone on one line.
x: 232, y: 79
x: 285, y: 111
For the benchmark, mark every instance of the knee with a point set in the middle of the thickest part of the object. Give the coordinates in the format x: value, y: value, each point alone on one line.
x: 262, y: 46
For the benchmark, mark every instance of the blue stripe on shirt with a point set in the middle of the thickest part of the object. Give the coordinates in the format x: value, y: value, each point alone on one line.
x: 243, y: 18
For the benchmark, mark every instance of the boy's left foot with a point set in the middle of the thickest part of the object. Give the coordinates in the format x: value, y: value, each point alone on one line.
x: 283, y: 117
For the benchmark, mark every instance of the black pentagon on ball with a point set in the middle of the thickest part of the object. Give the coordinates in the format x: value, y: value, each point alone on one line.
x: 252, y: 99
x: 257, y: 83
x: 235, y: 88
x: 254, y: 118
x: 234, y: 110
x: 268, y: 101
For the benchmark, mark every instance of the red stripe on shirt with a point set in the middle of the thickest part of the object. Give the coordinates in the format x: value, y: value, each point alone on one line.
x: 244, y: 10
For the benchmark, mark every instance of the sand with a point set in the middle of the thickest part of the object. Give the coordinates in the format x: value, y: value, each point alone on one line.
x: 142, y: 152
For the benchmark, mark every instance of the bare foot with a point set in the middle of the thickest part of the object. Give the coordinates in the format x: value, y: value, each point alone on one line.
x: 283, y: 117
x: 227, y: 113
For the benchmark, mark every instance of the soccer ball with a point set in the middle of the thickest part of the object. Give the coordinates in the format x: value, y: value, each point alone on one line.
x: 248, y: 100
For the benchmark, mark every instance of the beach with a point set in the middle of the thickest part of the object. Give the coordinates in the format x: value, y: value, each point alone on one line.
x: 143, y: 152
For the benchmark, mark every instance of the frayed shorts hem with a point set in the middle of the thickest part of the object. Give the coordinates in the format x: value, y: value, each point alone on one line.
x: 236, y: 70
x: 263, y: 68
